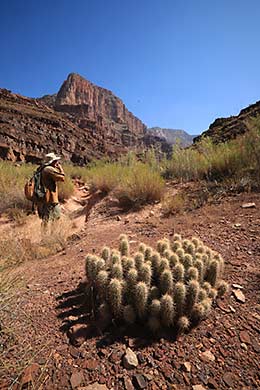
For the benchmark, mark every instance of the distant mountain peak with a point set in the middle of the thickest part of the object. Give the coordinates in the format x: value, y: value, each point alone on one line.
x: 172, y: 136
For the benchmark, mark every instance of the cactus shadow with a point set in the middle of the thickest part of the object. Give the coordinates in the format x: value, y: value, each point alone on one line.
x: 74, y: 309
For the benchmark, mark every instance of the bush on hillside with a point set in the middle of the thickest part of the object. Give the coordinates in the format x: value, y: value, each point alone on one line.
x: 233, y: 159
x: 140, y: 185
x: 172, y: 286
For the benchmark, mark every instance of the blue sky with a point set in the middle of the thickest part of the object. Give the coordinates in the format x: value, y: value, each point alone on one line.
x: 174, y: 63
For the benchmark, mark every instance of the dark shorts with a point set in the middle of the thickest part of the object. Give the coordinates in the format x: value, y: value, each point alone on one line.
x: 49, y: 212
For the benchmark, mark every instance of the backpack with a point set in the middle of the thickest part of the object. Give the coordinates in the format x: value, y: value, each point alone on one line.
x: 34, y: 190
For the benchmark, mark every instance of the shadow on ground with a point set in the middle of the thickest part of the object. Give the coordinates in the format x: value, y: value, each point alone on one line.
x: 79, y: 321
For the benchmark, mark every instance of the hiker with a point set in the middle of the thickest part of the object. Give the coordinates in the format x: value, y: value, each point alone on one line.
x: 51, y: 172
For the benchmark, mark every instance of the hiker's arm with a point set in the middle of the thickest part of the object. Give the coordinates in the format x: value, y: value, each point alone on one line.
x: 57, y: 174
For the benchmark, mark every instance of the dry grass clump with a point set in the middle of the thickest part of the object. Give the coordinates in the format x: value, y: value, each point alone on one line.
x: 12, y: 180
x: 238, y: 159
x: 20, y: 244
x: 140, y: 185
x: 172, y: 286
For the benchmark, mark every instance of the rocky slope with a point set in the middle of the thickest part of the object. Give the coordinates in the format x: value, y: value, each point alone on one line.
x: 172, y: 136
x: 223, y: 129
x: 81, y: 122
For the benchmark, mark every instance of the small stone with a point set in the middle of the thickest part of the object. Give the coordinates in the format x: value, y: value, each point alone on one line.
x: 78, y: 333
x: 244, y: 346
x: 140, y: 381
x: 116, y: 356
x: 76, y: 379
x: 128, y: 384
x: 90, y: 364
x: 151, y: 213
x: 198, y: 387
x: 94, y: 386
x: 256, y: 346
x: 248, y: 205
x: 118, y: 218
x: 232, y: 309
x: 228, y: 379
x: 207, y: 356
x: 239, y: 296
x: 187, y: 366
x: 130, y: 359
x: 212, y: 384
x: 28, y: 375
x: 237, y: 286
x: 74, y: 352
x: 244, y: 337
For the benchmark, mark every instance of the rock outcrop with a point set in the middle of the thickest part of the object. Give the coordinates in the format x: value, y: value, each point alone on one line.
x: 224, y: 129
x: 81, y: 122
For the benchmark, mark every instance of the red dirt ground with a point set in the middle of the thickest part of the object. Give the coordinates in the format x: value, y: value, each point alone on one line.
x: 50, y: 305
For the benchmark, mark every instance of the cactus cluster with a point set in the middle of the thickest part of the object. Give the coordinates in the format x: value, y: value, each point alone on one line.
x: 173, y: 285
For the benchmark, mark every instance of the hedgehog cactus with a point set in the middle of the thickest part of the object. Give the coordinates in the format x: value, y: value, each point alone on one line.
x: 178, y: 272
x: 167, y: 310
x: 170, y: 286
x: 148, y: 253
x: 115, y: 296
x: 105, y: 254
x: 154, y: 324
x: 124, y: 247
x: 145, y: 274
x: 141, y: 297
x: 213, y: 272
x: 166, y: 281
x: 179, y: 296
x: 193, y: 289
x: 139, y: 260
x: 192, y: 274
x: 155, y: 308
x: 142, y: 248
x: 129, y: 314
x: 117, y: 271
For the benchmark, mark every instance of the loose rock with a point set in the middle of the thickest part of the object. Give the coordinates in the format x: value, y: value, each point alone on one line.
x: 130, y: 359
x: 140, y: 381
x: 239, y: 296
x: 244, y: 337
x: 248, y: 205
x: 76, y: 379
x: 187, y: 366
x: 207, y: 356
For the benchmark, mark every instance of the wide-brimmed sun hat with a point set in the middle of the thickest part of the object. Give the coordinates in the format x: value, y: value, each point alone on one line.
x: 50, y: 158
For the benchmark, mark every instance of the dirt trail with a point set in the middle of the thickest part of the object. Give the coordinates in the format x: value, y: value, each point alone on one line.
x: 51, y: 304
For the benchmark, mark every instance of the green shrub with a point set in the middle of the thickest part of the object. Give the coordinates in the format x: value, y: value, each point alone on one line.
x: 152, y: 290
x: 238, y: 159
x: 140, y: 185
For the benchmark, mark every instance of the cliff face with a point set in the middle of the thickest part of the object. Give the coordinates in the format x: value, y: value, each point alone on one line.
x: 224, y: 129
x: 81, y: 122
x: 30, y: 129
x: 78, y: 95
